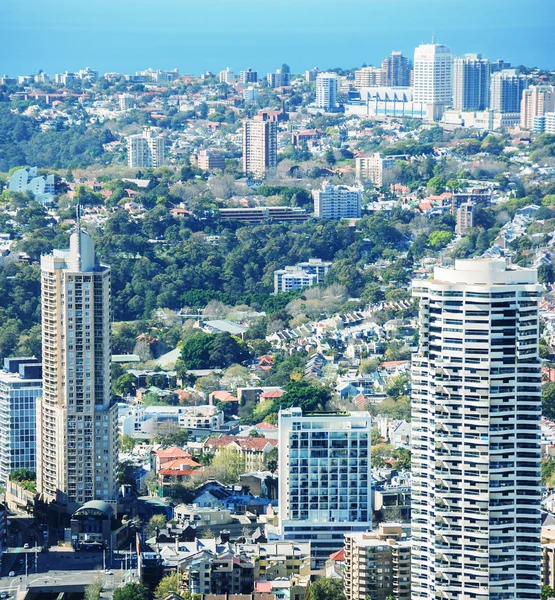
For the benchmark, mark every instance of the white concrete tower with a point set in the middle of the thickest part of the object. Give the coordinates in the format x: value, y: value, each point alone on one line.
x: 77, y: 444
x: 433, y: 78
x: 476, y: 402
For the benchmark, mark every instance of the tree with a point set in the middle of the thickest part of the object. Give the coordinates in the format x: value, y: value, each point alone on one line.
x: 271, y: 460
x: 227, y: 465
x: 304, y: 395
x: 547, y: 592
x: 234, y: 377
x: 167, y: 585
x: 436, y: 185
x: 172, y: 438
x: 548, y: 400
x: 126, y: 443
x: 439, y: 239
x: 126, y: 384
x: 156, y: 522
x: 326, y: 588
x: 94, y: 589
x: 131, y: 591
x: 397, y: 386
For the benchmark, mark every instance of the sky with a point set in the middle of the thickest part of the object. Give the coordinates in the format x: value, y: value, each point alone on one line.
x: 127, y: 35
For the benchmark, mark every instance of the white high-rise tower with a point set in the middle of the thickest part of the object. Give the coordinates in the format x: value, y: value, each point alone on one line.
x: 77, y: 444
x: 433, y: 78
x: 476, y: 403
x: 327, y: 85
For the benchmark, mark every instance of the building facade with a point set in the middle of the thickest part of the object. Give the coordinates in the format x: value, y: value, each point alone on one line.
x: 146, y: 149
x: 368, y: 77
x: 301, y: 275
x: 337, y: 202
x: 324, y: 478
x: 476, y: 404
x: 259, y: 147
x: 465, y: 218
x: 374, y: 167
x: 327, y: 86
x: 471, y: 82
x: 20, y: 386
x: 396, y: 70
x: 537, y: 100
x: 433, y: 78
x: 377, y: 564
x: 248, y: 76
x: 77, y: 444
x: 506, y: 91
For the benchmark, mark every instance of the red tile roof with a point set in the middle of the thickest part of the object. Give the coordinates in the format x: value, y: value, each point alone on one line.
x: 272, y: 394
x: 338, y: 556
x: 252, y: 444
x: 171, y: 453
x: 266, y: 426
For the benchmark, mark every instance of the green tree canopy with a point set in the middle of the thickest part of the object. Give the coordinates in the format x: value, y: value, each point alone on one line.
x: 326, y: 588
x: 132, y: 591
x: 548, y: 400
x: 303, y: 395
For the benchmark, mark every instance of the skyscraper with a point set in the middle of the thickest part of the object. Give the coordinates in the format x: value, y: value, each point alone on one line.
x: 77, y: 444
x: 259, y: 146
x: 537, y: 100
x: 146, y: 149
x: 326, y: 91
x: 433, y: 84
x: 396, y: 70
x: 506, y: 91
x: 476, y: 403
x: 471, y: 81
x: 324, y: 478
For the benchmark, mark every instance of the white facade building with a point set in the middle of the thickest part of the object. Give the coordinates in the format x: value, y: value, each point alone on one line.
x: 227, y: 76
x: 324, y: 478
x: 20, y: 386
x: 433, y: 78
x: 506, y: 91
x: 146, y: 149
x: 259, y: 147
x: 77, y: 443
x: 337, y: 202
x: 301, y: 275
x: 476, y: 404
x: 327, y: 85
x: 27, y: 179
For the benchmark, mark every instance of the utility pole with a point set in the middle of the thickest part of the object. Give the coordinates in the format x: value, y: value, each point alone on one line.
x: 36, y: 557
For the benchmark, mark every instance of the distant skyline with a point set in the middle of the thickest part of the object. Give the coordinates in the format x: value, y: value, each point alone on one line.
x: 130, y: 35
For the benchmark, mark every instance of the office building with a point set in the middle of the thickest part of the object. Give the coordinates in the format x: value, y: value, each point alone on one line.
x: 476, y: 406
x: 327, y: 85
x: 259, y: 147
x: 368, y: 77
x: 536, y: 101
x: 396, y: 70
x: 248, y: 76
x: 471, y: 82
x: 146, y: 149
x: 506, y: 91
x: 301, y: 275
x: 324, y: 478
x: 377, y: 564
x: 433, y: 83
x: 337, y: 202
x: 374, y: 167
x: 20, y: 386
x: 77, y: 444
x: 465, y: 218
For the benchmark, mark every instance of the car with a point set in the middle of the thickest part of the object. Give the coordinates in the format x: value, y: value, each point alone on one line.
x: 26, y: 546
x: 4, y: 595
x: 108, y: 572
x: 11, y: 574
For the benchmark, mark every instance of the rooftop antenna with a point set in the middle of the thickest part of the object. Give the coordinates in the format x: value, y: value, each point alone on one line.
x: 78, y: 225
x: 433, y: 38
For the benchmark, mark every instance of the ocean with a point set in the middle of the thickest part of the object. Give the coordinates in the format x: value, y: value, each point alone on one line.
x: 129, y: 35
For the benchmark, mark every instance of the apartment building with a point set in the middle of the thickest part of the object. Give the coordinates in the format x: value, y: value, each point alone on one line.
x: 537, y: 100
x: 20, y: 386
x: 368, y: 77
x: 327, y: 85
x: 506, y: 91
x: 337, y: 202
x: 77, y: 443
x: 465, y: 218
x: 324, y: 478
x: 374, y: 166
x: 471, y: 82
x: 396, y: 70
x: 146, y: 149
x: 301, y: 275
x: 476, y: 405
x: 209, y: 161
x: 259, y: 147
x: 377, y: 564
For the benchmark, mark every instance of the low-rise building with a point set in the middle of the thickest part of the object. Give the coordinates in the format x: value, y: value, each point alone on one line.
x: 252, y: 449
x: 209, y: 161
x: 199, y: 516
